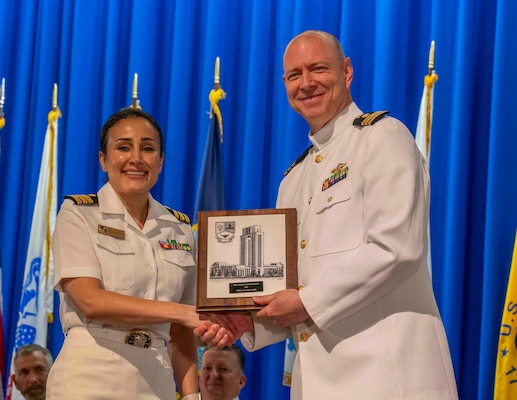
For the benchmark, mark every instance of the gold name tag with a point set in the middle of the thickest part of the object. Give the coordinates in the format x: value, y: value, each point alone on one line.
x: 116, y: 233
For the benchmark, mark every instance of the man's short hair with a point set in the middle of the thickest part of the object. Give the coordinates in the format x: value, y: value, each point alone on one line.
x: 232, y: 349
x: 27, y: 349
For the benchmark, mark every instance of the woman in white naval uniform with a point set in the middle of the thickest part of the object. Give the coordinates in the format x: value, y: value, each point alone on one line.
x: 125, y: 272
x: 365, y: 321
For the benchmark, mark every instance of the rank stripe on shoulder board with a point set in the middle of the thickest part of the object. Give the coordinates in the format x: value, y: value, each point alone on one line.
x: 182, y: 217
x: 298, y: 160
x: 370, y: 118
x: 83, y: 199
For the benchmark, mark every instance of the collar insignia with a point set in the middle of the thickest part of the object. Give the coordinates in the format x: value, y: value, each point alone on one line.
x: 339, y: 173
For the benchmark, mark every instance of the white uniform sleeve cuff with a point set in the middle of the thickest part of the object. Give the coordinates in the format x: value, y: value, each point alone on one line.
x: 193, y: 396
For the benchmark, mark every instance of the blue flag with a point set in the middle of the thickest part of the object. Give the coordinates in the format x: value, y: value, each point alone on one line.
x: 210, y: 194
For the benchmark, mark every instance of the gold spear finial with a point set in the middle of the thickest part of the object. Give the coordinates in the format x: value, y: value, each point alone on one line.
x: 54, y: 97
x: 431, y: 59
x: 135, y: 103
x: 217, y: 73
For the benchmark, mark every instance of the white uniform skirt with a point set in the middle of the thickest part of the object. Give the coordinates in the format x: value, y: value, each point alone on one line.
x: 95, y: 368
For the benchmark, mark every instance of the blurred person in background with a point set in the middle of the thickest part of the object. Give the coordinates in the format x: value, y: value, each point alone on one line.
x: 32, y: 364
x: 222, y: 373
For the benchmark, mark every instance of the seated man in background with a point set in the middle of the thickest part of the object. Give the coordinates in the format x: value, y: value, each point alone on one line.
x: 32, y: 364
x: 222, y: 373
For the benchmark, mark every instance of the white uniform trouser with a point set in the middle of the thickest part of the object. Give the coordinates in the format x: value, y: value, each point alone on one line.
x: 95, y: 368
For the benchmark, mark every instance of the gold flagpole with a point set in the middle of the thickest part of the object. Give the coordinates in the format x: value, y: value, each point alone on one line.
x: 429, y: 81
x: 53, y: 115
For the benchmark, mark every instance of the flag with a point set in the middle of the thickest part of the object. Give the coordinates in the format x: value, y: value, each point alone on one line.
x: 424, y: 126
x: 210, y: 194
x: 505, y: 386
x: 36, y: 301
x: 290, y: 354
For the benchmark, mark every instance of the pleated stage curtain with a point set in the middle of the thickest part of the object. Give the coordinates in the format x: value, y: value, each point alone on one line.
x: 91, y: 49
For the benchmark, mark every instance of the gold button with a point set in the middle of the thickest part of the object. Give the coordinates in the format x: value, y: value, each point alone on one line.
x: 300, y: 287
x: 304, y: 336
x: 310, y: 199
x: 329, y: 199
x: 303, y: 243
x: 319, y: 158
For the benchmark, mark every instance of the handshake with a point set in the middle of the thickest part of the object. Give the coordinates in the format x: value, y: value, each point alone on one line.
x: 283, y: 308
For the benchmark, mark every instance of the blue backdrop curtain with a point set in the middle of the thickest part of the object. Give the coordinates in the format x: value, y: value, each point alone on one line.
x: 92, y: 48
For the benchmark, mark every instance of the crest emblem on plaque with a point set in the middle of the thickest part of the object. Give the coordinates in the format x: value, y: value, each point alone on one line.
x: 225, y: 231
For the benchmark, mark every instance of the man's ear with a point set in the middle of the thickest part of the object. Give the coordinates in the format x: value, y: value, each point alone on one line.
x: 242, y: 381
x: 349, y: 72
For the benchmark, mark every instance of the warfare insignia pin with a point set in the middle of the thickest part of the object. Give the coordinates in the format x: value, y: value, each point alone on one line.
x: 339, y: 173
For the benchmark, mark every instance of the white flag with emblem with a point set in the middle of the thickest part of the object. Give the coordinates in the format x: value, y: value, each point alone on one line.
x: 36, y: 301
x: 424, y: 125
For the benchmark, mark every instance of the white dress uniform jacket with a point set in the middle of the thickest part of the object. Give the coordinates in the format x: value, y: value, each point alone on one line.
x: 101, y: 240
x: 362, y: 200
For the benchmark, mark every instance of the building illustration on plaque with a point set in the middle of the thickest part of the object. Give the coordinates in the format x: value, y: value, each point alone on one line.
x: 251, y: 255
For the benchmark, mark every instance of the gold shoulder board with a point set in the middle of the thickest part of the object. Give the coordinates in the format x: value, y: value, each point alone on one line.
x: 179, y: 215
x: 83, y: 199
x: 298, y: 160
x: 370, y: 118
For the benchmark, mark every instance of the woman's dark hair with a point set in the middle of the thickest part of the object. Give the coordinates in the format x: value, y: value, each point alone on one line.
x: 126, y: 113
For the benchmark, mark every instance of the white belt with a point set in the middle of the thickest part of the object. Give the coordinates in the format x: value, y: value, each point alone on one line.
x: 138, y: 337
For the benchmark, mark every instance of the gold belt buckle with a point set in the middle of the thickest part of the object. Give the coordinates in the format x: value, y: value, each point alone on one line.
x: 139, y: 338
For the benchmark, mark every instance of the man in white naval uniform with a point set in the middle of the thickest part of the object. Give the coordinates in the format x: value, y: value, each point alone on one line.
x: 364, y: 320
